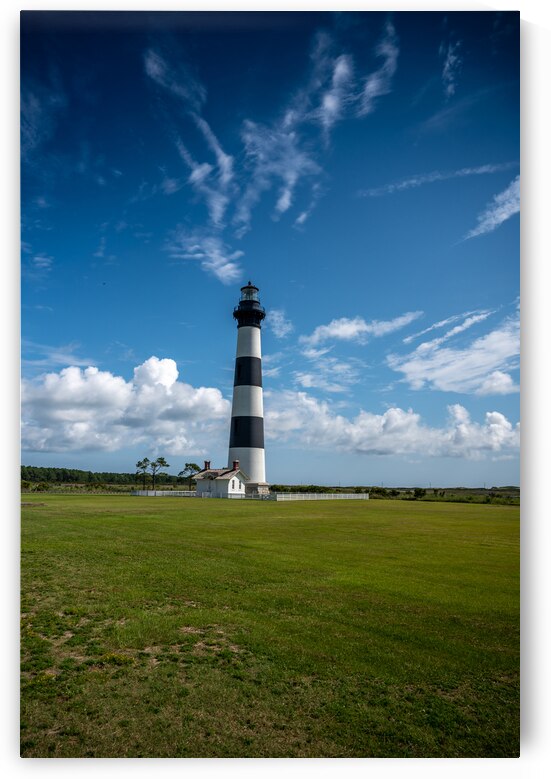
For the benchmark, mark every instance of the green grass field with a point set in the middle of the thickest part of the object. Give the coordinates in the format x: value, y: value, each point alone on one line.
x: 168, y: 627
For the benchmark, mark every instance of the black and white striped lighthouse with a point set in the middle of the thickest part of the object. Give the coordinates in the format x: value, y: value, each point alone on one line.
x: 247, y: 415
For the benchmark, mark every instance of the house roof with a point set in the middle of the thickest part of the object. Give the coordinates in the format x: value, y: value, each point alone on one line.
x: 221, y: 473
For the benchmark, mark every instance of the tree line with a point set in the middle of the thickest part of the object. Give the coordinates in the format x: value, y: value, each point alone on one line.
x: 36, y: 474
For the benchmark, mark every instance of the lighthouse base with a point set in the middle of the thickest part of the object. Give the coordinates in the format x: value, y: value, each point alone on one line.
x: 257, y: 488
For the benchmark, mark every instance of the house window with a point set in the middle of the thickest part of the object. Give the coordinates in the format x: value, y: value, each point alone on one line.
x: 233, y: 484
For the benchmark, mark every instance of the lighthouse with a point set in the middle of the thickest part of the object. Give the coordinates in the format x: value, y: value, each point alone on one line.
x: 247, y: 415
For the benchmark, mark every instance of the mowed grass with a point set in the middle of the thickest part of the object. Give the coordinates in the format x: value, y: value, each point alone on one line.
x: 175, y: 627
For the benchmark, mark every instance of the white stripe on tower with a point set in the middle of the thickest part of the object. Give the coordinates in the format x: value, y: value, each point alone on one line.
x: 247, y: 422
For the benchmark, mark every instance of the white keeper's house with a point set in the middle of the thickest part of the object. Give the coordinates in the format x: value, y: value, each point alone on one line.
x: 221, y: 482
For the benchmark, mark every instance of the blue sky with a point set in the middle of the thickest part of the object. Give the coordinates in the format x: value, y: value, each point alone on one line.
x: 361, y: 168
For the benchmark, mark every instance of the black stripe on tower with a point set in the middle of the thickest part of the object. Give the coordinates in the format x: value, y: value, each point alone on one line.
x: 247, y: 431
x: 248, y: 372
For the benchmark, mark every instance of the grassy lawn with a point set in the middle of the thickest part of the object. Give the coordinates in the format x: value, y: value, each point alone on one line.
x: 168, y: 627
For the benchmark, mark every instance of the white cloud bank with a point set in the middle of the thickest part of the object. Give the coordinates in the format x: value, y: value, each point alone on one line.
x: 90, y: 409
x: 298, y: 417
x: 87, y: 409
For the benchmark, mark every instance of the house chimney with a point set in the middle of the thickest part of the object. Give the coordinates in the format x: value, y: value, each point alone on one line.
x: 236, y: 465
x: 207, y: 465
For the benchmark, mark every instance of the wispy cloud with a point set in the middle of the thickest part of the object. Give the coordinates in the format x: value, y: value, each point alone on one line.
x: 91, y: 166
x: 478, y: 368
x: 436, y: 175
x: 36, y: 265
x: 100, y: 251
x: 451, y: 68
x: 199, y: 179
x: 334, y: 100
x: 380, y: 82
x: 224, y: 161
x: 274, y: 156
x: 210, y: 181
x: 357, y: 329
x: 42, y: 262
x: 465, y: 325
x: 169, y: 186
x: 41, y: 107
x: 210, y: 250
x: 442, y: 323
x: 327, y: 373
x: 45, y: 356
x: 270, y: 367
x: 502, y: 207
x: 281, y: 155
x: 316, y: 194
x: 175, y: 78
x: 278, y: 323
x: 453, y: 114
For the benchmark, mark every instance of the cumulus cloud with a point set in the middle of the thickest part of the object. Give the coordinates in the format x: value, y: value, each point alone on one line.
x: 298, y: 417
x: 87, y: 409
x: 503, y: 206
x: 479, y: 367
x: 497, y: 383
x: 357, y: 329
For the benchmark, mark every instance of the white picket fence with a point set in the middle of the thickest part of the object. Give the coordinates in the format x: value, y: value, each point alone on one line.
x: 321, y: 496
x: 279, y: 496
x: 165, y: 493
